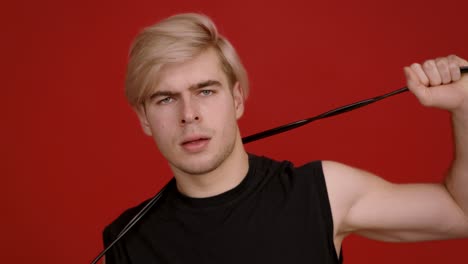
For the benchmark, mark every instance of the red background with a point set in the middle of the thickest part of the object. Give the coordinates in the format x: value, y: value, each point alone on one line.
x: 72, y: 153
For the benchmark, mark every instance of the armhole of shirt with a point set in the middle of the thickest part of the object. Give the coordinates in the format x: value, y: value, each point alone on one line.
x: 325, y: 206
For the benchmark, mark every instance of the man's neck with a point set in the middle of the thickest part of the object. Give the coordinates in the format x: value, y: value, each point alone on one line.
x: 225, y: 177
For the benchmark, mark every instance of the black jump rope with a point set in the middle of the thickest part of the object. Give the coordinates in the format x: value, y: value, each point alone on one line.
x: 257, y: 136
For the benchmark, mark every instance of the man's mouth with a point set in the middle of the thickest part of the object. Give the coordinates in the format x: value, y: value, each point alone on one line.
x: 195, y: 144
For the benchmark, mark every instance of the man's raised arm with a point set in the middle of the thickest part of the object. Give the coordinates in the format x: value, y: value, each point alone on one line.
x: 370, y: 206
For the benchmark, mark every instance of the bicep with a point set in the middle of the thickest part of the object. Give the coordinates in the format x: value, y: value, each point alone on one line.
x: 370, y: 206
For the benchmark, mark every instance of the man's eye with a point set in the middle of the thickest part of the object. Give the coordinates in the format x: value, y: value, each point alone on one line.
x: 166, y: 100
x: 206, y: 92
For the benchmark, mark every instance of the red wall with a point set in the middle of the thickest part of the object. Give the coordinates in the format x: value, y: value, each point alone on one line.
x: 72, y: 153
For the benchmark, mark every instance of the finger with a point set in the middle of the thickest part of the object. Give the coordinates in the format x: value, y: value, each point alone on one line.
x: 432, y: 73
x: 416, y: 86
x: 458, y: 60
x: 443, y: 69
x: 454, y: 63
x: 418, y: 70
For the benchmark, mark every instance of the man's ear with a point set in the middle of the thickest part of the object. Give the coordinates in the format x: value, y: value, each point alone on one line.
x: 141, y: 113
x: 238, y: 95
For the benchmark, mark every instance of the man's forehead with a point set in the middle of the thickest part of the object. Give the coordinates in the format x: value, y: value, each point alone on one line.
x: 183, y: 75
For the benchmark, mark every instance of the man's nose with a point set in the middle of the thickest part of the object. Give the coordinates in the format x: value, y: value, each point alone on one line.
x: 190, y: 112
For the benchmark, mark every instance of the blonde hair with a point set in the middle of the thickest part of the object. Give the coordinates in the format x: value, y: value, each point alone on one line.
x: 174, y: 40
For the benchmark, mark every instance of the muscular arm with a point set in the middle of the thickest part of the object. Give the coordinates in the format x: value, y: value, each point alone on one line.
x: 457, y: 180
x: 370, y: 206
x: 437, y: 83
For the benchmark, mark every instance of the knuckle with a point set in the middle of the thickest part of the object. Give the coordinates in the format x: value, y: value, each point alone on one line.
x: 453, y: 66
x: 415, y: 66
x: 452, y: 57
x: 427, y: 65
x: 441, y: 62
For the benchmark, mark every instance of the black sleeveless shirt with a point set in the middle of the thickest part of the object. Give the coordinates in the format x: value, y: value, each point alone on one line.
x: 277, y: 214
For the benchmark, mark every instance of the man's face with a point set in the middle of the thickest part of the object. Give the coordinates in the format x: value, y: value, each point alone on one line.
x: 192, y: 114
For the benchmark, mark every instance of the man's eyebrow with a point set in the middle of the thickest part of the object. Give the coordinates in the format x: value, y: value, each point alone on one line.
x: 204, y: 84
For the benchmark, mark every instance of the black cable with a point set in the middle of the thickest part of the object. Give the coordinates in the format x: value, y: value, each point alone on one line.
x: 336, y: 111
x: 257, y: 136
x: 132, y: 222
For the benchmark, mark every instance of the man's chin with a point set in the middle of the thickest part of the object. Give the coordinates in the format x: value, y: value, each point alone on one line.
x: 196, y: 166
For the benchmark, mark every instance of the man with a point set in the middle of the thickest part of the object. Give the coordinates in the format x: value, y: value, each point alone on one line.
x: 188, y: 87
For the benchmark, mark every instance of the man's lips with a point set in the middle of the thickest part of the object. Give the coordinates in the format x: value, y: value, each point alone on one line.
x: 194, y: 139
x: 195, y: 144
